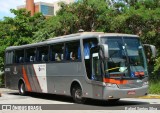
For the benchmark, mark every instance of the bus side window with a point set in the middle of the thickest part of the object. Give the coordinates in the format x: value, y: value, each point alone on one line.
x: 42, y: 54
x: 19, y: 56
x: 31, y: 59
x: 72, y: 56
x: 21, y: 59
x: 57, y: 52
x: 72, y: 51
x: 52, y: 55
x: 9, y: 57
x: 57, y: 57
x: 30, y: 55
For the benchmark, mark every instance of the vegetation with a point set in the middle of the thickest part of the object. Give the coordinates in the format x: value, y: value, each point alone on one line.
x: 141, y: 17
x: 154, y: 87
x: 1, y: 79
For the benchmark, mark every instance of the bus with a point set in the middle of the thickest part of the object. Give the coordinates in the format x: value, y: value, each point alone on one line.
x: 96, y: 65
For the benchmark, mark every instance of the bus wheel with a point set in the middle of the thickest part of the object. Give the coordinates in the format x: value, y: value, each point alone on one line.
x: 113, y: 100
x: 77, y: 95
x: 22, y: 90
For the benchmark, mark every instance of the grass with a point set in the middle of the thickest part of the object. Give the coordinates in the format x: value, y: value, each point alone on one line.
x: 154, y: 87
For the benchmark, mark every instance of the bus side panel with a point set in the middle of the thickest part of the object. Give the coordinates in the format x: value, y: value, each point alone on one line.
x: 26, y: 72
x: 58, y: 78
x: 12, y: 76
x: 32, y: 78
x: 61, y: 75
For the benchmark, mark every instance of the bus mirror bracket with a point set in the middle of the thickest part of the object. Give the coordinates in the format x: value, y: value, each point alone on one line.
x: 152, y: 48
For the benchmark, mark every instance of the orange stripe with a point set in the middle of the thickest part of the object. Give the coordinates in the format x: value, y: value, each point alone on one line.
x: 26, y: 79
x: 37, y: 78
x: 113, y: 81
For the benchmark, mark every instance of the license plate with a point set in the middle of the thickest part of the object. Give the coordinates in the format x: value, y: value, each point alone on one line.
x: 131, y: 93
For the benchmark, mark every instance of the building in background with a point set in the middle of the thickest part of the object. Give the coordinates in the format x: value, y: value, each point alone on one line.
x: 47, y: 9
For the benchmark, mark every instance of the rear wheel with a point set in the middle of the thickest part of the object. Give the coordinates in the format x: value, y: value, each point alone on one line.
x: 22, y: 89
x: 77, y: 95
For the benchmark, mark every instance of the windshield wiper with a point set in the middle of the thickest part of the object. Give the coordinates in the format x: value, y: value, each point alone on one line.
x: 127, y: 58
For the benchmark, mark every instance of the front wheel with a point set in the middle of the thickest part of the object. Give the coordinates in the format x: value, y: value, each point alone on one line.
x: 22, y: 89
x: 77, y: 95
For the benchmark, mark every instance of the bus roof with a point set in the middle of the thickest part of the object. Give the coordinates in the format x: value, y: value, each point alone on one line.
x: 70, y: 37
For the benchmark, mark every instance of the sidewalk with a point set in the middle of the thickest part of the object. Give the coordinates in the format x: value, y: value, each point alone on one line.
x: 5, y: 90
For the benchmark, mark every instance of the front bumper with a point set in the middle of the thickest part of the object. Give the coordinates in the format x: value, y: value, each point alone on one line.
x: 115, y: 93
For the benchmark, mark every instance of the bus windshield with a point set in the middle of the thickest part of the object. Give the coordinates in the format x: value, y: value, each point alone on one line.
x: 126, y: 58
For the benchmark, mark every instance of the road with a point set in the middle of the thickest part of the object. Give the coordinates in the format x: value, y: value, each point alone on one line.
x: 57, y: 102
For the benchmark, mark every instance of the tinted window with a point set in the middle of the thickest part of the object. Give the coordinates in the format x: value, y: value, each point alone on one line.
x: 30, y: 55
x: 72, y: 51
x: 88, y: 44
x: 57, y: 52
x: 9, y: 57
x: 42, y: 54
x: 19, y: 56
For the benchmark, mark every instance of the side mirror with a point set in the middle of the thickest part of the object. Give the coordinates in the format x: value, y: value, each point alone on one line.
x: 104, y: 51
x: 152, y: 49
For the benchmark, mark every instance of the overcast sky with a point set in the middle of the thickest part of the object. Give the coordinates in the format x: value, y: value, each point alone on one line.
x: 6, y: 5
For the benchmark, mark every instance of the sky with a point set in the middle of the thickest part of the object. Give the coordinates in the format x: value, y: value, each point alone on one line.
x: 6, y: 5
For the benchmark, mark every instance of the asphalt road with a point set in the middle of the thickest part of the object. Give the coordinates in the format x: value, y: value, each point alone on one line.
x: 57, y: 102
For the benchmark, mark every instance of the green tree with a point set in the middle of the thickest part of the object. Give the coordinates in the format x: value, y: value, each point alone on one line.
x: 18, y: 30
x: 85, y: 14
x: 141, y: 17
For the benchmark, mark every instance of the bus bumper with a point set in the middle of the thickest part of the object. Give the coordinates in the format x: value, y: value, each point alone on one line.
x: 116, y: 93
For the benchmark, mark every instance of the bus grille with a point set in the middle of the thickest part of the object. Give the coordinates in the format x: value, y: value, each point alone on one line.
x: 128, y: 86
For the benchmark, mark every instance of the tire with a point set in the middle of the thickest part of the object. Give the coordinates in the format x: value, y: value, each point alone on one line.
x: 22, y: 89
x: 113, y: 100
x: 77, y: 95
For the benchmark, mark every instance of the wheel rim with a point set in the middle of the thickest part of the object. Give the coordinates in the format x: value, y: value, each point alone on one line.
x: 78, y: 94
x: 22, y: 88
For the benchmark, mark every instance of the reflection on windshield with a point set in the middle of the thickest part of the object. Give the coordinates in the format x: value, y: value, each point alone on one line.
x: 125, y: 55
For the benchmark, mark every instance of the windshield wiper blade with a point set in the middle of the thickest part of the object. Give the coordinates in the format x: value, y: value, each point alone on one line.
x: 127, y: 58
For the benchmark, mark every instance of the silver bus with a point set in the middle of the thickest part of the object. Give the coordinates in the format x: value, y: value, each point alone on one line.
x: 97, y: 65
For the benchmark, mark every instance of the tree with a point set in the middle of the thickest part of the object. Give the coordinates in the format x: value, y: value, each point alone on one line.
x: 86, y: 15
x: 18, y: 30
x: 141, y: 17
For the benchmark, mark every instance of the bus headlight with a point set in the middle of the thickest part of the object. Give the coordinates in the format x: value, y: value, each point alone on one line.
x: 145, y: 83
x: 111, y: 85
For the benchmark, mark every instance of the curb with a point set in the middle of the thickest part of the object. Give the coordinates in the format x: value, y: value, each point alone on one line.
x: 150, y: 97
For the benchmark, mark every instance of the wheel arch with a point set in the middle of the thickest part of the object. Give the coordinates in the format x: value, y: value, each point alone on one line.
x: 74, y: 83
